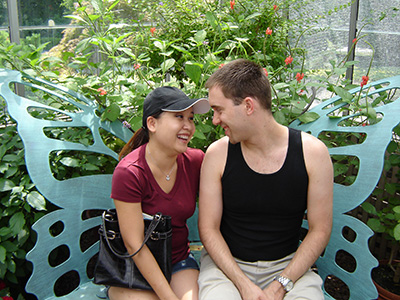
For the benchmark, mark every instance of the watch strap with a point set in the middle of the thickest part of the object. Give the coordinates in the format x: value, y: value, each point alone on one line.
x: 285, y: 282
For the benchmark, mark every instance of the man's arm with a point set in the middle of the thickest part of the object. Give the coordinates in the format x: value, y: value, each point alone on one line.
x: 319, y: 211
x: 210, y: 213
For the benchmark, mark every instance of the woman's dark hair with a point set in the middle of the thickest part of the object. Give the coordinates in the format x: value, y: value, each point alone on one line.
x: 140, y: 138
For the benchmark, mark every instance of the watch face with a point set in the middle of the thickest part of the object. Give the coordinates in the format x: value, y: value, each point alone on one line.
x: 289, y: 286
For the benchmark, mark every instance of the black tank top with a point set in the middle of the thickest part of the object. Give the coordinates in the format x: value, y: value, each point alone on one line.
x: 263, y: 213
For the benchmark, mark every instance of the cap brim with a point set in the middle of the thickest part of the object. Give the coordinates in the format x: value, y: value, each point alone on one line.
x: 200, y: 106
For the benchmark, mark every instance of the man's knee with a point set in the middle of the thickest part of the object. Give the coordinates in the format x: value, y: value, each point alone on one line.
x: 213, y: 284
x: 218, y: 290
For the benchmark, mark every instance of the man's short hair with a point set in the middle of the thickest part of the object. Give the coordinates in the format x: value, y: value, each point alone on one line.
x: 242, y: 78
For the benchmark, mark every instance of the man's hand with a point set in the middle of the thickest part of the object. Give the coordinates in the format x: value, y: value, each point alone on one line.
x: 274, y: 291
x: 252, y: 292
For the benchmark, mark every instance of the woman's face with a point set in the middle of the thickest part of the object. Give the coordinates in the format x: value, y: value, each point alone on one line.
x: 174, y: 130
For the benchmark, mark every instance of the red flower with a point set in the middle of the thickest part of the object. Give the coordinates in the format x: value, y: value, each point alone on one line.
x: 265, y: 71
x: 275, y: 7
x: 299, y: 76
x: 102, y: 91
x: 355, y: 41
x: 288, y: 60
x: 220, y: 66
x: 268, y: 31
x: 232, y: 4
x: 301, y: 92
x: 152, y: 30
x: 7, y: 298
x: 364, y: 80
x: 136, y: 66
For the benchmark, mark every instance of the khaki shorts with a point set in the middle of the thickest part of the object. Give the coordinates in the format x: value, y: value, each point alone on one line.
x: 214, y: 285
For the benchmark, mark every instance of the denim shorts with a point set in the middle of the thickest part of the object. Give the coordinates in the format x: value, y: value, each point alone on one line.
x: 188, y: 263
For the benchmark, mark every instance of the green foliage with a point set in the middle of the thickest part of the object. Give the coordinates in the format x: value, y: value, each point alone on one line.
x: 126, y: 59
x: 20, y: 205
x: 387, y: 219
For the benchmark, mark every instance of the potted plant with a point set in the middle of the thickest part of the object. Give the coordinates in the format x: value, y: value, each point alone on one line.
x: 385, y: 220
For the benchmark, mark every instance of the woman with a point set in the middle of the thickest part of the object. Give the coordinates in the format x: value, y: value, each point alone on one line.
x: 159, y: 173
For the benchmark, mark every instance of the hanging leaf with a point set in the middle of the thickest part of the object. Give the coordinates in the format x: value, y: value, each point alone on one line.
x: 344, y: 94
x: 168, y: 64
x: 375, y: 225
x: 212, y: 21
x: 70, y: 162
x: 279, y: 116
x: 98, y: 5
x: 4, y: 231
x: 253, y: 16
x: 90, y: 167
x: 181, y: 49
x: 198, y: 134
x: 111, y: 113
x: 391, y: 188
x: 200, y: 36
x: 3, y: 252
x: 159, y: 45
x: 308, y: 117
x: 17, y: 222
x: 113, y: 5
x: 6, y: 185
x: 193, y: 71
x: 36, y: 200
x: 396, y: 232
x: 136, y: 123
x: 369, y: 208
x: 78, y: 18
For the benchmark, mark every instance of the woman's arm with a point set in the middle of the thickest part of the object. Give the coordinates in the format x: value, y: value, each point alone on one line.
x: 131, y: 224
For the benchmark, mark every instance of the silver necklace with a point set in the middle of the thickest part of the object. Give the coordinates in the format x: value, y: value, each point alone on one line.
x: 167, y: 176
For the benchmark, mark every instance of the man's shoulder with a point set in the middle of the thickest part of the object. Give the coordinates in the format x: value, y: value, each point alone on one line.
x: 216, y: 155
x: 311, y: 142
x: 219, y: 146
x: 315, y: 151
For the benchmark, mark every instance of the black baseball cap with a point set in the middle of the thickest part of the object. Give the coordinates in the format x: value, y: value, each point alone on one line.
x: 171, y: 99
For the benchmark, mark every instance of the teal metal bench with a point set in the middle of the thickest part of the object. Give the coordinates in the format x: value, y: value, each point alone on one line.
x: 81, y: 199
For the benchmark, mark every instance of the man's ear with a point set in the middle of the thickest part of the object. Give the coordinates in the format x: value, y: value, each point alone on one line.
x: 249, y: 105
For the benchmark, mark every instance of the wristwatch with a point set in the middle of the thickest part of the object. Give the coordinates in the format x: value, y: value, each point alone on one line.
x: 286, y: 282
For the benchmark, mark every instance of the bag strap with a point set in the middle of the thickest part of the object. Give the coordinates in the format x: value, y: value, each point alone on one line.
x: 156, y: 219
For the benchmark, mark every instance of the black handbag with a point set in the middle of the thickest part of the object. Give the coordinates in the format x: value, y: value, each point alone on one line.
x: 115, y: 266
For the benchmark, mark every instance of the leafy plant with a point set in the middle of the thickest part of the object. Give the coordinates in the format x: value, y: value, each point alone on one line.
x: 386, y: 220
x: 20, y: 206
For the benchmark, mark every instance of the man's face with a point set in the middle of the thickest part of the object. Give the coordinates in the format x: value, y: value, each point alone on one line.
x: 226, y: 114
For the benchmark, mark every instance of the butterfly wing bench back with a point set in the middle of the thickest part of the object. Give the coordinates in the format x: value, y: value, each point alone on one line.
x: 75, y: 197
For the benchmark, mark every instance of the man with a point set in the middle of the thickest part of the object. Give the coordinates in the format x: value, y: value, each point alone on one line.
x: 256, y: 184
